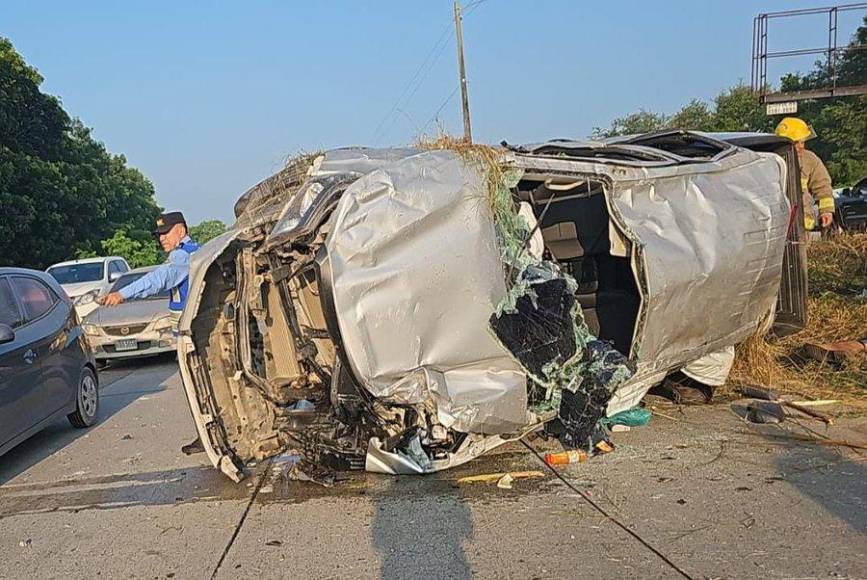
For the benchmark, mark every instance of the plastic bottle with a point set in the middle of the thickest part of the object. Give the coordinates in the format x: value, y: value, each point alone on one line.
x: 565, y: 457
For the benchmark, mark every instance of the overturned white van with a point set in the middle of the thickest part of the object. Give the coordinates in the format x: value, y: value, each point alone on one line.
x: 406, y: 310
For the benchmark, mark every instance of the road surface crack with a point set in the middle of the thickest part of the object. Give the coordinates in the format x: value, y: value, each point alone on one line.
x: 241, y: 521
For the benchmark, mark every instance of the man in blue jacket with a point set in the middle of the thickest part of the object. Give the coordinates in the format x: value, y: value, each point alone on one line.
x: 171, y: 231
x: 173, y: 275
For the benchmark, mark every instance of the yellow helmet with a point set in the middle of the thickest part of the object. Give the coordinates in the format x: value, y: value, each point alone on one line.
x: 795, y: 129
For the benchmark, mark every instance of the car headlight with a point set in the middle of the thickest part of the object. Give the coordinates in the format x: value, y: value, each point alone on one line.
x: 90, y: 329
x: 163, y: 324
x: 86, y: 298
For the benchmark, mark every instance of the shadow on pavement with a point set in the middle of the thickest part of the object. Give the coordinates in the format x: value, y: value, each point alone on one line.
x: 834, y: 479
x: 419, y: 534
x: 112, y: 400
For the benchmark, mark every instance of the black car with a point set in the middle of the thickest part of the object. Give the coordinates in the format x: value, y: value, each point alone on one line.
x: 46, y: 368
x: 852, y: 207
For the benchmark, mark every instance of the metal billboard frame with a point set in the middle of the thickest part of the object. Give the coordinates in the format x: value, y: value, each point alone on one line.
x: 761, y: 55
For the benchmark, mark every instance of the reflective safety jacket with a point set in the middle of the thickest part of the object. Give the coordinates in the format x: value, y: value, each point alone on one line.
x: 178, y: 295
x: 815, y: 183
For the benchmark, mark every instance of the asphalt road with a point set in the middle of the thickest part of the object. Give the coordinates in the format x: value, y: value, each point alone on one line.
x: 697, y: 493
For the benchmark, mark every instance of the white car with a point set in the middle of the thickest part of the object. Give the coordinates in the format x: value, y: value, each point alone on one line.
x: 83, y: 280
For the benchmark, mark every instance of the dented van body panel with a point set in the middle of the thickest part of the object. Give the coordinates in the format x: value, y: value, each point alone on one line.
x: 382, y: 309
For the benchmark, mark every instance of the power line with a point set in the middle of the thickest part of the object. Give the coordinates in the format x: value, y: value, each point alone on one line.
x: 418, y: 78
x: 469, y: 8
x: 435, y: 60
x: 418, y: 84
x: 424, y: 67
x: 595, y: 505
x: 439, y: 110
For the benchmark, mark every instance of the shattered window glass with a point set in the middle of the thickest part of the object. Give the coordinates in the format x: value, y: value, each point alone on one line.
x: 540, y: 322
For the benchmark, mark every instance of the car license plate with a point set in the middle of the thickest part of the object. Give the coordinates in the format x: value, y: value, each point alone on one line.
x: 130, y: 344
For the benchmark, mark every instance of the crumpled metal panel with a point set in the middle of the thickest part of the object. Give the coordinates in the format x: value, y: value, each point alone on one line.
x: 712, y: 252
x: 713, y: 249
x: 345, y: 165
x: 710, y: 239
x: 416, y: 274
x: 200, y: 261
x: 465, y: 397
x: 474, y: 445
x: 358, y: 159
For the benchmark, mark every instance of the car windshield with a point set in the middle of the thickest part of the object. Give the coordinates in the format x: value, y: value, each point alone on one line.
x: 77, y: 273
x: 128, y: 279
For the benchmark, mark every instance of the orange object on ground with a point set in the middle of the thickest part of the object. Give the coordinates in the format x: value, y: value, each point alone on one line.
x: 565, y: 457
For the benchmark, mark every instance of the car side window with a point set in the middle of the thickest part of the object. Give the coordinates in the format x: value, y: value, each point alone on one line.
x: 9, y: 313
x: 36, y: 298
x: 113, y: 268
x: 122, y: 267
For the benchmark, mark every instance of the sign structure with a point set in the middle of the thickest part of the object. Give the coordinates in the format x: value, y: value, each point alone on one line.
x: 831, y: 55
x: 787, y: 108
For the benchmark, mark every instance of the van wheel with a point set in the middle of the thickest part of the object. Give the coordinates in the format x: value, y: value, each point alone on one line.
x: 86, y: 401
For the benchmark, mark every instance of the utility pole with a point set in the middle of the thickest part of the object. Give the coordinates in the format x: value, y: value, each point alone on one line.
x: 465, y: 100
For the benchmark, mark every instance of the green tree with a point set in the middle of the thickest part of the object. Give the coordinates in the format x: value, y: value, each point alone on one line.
x: 840, y: 123
x: 735, y: 109
x: 207, y: 231
x: 695, y: 116
x: 738, y: 109
x: 61, y: 192
x: 852, y: 68
x: 640, y: 122
x: 138, y: 252
x: 31, y: 122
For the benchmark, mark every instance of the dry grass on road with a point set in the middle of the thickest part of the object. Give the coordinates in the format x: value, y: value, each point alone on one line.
x: 838, y: 274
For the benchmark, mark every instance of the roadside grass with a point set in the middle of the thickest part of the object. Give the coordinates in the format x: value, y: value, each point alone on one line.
x: 838, y: 275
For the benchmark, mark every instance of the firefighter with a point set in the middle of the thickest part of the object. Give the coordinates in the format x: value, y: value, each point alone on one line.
x: 815, y: 180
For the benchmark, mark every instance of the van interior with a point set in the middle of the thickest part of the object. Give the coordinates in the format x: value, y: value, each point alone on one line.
x: 574, y: 221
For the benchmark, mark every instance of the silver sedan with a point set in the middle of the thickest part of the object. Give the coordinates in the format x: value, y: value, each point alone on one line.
x: 136, y: 328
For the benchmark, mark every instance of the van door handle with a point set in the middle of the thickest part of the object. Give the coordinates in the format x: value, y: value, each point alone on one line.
x: 30, y: 356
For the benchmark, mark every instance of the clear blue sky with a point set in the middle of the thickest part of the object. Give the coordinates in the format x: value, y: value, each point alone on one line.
x: 207, y: 98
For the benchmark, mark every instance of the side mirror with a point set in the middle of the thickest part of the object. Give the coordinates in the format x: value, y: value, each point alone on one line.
x: 113, y: 276
x: 7, y: 335
x: 847, y: 191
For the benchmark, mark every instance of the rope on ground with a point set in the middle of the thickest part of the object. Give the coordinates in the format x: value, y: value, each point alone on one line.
x: 614, y: 520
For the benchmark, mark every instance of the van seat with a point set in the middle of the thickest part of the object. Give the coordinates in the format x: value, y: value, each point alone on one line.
x: 562, y: 239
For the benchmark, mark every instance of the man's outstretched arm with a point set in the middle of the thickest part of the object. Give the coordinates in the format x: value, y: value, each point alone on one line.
x: 163, y: 278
